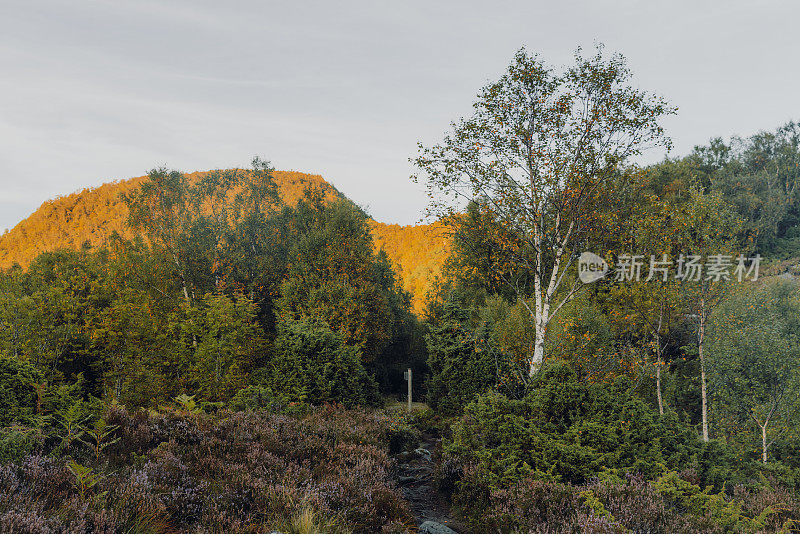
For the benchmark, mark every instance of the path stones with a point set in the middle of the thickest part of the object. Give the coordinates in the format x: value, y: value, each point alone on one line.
x: 432, y: 527
x: 424, y: 453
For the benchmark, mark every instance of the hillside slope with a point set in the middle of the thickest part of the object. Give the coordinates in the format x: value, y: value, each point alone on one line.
x: 94, y: 214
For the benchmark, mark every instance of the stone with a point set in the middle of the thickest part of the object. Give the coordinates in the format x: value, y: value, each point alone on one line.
x: 432, y: 527
x: 425, y: 453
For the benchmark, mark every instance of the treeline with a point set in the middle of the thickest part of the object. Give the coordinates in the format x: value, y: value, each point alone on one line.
x: 92, y: 215
x: 224, y: 290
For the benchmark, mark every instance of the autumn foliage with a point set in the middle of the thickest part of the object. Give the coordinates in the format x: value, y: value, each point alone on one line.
x: 92, y: 215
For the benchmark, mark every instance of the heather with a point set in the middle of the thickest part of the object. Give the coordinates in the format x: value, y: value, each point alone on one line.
x: 671, y: 503
x: 169, y: 471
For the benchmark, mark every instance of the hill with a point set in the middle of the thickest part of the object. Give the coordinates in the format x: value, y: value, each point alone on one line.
x: 95, y: 213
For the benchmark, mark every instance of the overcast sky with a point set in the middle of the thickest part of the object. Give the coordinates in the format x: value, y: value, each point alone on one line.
x: 92, y: 91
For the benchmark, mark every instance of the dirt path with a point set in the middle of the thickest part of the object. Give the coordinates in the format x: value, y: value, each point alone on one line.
x: 416, y: 481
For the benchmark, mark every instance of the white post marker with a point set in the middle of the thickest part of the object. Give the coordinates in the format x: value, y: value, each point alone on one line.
x: 407, y: 376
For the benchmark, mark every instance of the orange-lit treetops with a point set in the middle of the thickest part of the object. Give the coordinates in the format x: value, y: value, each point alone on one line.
x: 92, y: 215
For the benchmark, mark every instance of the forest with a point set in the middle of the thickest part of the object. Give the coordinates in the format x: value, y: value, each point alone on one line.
x: 230, y: 360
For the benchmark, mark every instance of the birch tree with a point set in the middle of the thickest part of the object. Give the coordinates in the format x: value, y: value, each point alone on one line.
x: 536, y: 153
x: 193, y: 218
x: 754, y: 360
x: 160, y: 207
x: 708, y: 229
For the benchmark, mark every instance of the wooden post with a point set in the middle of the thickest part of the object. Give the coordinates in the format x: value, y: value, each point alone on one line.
x: 408, y: 377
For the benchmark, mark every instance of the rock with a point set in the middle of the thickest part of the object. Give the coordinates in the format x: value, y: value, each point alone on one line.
x: 432, y: 527
x: 425, y: 453
x: 403, y: 456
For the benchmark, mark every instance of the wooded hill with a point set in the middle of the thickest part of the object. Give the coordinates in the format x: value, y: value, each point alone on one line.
x: 93, y: 214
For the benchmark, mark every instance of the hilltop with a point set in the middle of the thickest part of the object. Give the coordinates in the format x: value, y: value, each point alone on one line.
x: 93, y: 214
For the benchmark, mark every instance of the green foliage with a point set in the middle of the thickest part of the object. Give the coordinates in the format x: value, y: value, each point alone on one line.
x: 570, y: 430
x: 312, y: 363
x: 228, y: 344
x: 71, y: 421
x: 188, y: 404
x: 138, y: 349
x: 754, y: 363
x: 17, y: 442
x: 18, y: 391
x: 253, y: 398
x: 463, y: 361
x: 596, y: 505
x: 99, y: 437
x: 725, y: 512
x: 479, y: 261
x: 193, y: 223
x: 403, y: 431
x: 85, y: 479
x: 336, y: 278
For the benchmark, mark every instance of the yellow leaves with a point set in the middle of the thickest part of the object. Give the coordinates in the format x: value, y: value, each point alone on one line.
x: 417, y: 251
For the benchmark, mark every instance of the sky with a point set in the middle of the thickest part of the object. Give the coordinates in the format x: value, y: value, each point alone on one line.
x: 94, y: 91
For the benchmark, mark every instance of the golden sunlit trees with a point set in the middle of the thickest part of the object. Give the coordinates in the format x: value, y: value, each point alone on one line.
x: 537, y: 153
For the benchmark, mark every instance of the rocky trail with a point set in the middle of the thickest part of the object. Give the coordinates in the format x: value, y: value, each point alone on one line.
x: 416, y: 481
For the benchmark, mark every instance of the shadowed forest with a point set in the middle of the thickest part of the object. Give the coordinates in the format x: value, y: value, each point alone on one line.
x: 224, y: 351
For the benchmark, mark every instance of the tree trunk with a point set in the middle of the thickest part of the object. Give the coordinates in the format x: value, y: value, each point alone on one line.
x: 538, y: 352
x: 185, y: 291
x: 658, y: 387
x: 703, y: 390
x: 658, y: 374
x: 183, y: 278
x: 764, y: 442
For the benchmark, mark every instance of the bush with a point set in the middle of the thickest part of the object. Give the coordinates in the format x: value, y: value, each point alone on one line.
x: 18, y: 398
x: 564, y: 430
x: 401, y: 434
x: 569, y: 430
x: 672, y: 504
x: 313, y: 364
x: 463, y: 363
x: 18, y: 442
x: 254, y: 398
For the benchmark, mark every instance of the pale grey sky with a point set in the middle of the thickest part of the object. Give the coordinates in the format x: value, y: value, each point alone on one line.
x: 98, y: 90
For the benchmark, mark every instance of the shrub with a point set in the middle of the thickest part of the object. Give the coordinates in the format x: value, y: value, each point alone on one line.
x: 569, y: 430
x: 462, y: 362
x: 18, y: 398
x: 312, y: 363
x: 564, y: 430
x: 401, y: 433
x: 254, y: 398
x: 17, y: 442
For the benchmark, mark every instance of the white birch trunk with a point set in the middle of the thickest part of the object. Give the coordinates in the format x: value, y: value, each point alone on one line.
x: 703, y: 390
